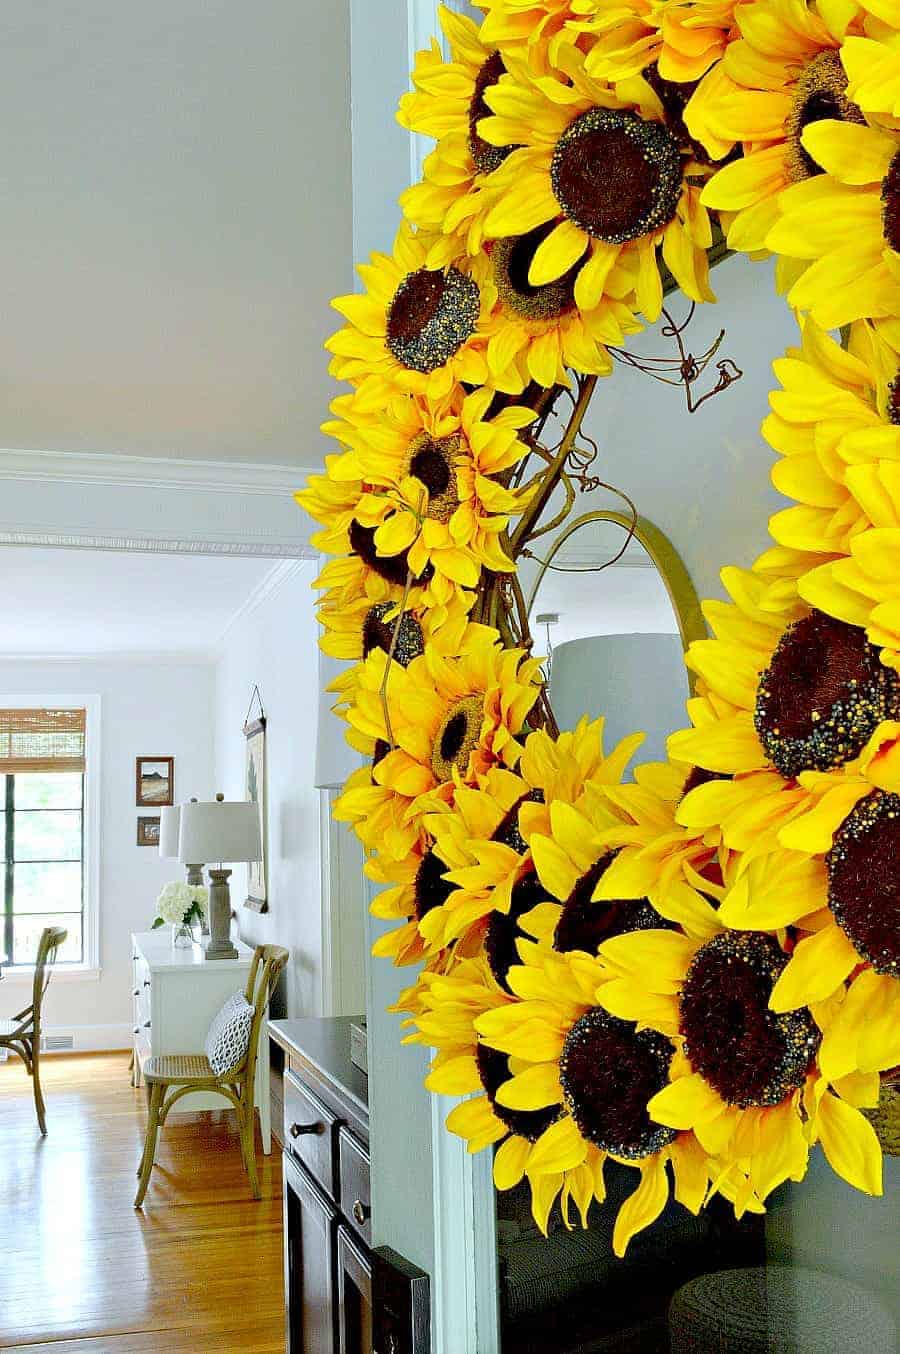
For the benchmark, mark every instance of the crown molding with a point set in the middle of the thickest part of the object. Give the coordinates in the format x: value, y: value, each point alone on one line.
x: 94, y: 501
x: 151, y: 472
x: 194, y: 658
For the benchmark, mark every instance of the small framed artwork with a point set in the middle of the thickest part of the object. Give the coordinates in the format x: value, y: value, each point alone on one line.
x: 154, y: 782
x: 255, y: 734
x: 148, y: 831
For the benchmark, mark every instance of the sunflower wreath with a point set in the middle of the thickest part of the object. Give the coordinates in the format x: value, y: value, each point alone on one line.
x: 693, y: 971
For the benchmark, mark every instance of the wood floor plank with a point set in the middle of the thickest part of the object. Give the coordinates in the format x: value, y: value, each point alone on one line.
x: 200, y: 1267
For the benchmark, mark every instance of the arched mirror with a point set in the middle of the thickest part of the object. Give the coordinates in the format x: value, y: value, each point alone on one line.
x: 613, y: 607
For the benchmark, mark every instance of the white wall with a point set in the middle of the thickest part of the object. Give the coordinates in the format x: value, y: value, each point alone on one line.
x: 274, y: 646
x: 147, y: 709
x: 180, y: 220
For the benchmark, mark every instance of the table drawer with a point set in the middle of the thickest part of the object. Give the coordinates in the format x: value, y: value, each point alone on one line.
x: 309, y: 1131
x: 356, y: 1192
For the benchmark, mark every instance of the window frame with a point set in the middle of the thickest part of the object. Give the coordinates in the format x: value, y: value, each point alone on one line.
x: 91, y: 704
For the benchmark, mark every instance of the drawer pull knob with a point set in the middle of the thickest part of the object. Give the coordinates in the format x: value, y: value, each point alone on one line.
x: 146, y: 1024
x: 146, y: 982
x: 136, y: 992
x: 298, y: 1130
x: 361, y: 1212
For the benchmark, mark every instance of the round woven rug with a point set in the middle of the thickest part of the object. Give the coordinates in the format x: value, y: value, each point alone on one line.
x: 778, y: 1310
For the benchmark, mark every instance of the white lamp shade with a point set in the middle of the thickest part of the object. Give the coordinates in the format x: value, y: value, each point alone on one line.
x: 169, y: 828
x: 213, y: 830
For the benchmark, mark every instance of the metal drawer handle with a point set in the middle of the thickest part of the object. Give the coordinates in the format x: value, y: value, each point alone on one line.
x: 146, y: 982
x: 146, y: 1024
x: 298, y: 1130
x: 136, y: 992
x: 361, y: 1212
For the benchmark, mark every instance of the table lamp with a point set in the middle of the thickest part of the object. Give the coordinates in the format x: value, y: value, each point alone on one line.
x: 169, y: 837
x: 216, y: 830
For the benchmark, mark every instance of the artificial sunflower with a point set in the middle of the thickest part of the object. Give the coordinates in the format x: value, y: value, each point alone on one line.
x: 447, y: 103
x: 831, y: 423
x: 595, y: 1075
x: 448, y: 716
x: 682, y: 39
x: 783, y: 74
x: 745, y: 1079
x: 598, y: 182
x: 786, y: 687
x: 493, y: 869
x: 415, y: 329
x: 432, y: 474
x: 845, y: 224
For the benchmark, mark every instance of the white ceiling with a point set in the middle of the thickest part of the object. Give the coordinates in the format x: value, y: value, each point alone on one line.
x: 177, y: 216
x: 98, y: 602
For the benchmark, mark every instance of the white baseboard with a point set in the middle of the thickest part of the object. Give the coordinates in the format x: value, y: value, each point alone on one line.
x: 90, y: 1038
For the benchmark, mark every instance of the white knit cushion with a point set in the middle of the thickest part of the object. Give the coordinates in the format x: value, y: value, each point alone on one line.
x: 229, y: 1034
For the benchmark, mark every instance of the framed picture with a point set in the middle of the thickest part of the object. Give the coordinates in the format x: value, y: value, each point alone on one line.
x: 154, y: 782
x: 148, y: 831
x: 255, y: 734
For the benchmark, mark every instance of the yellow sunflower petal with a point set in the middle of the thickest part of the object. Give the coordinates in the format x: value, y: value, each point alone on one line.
x: 559, y: 1148
x: 510, y: 1161
x: 532, y: 1089
x: 818, y: 965
x: 643, y: 1206
x: 849, y: 1142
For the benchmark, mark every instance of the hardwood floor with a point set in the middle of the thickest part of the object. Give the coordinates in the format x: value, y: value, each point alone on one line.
x: 82, y: 1272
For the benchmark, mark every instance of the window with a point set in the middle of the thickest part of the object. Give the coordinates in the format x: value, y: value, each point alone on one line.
x: 42, y: 827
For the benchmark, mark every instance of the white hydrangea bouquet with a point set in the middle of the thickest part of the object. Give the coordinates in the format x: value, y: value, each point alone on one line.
x: 181, y: 906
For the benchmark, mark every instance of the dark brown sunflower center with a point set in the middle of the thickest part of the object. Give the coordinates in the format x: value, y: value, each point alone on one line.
x: 615, y: 175
x: 890, y: 209
x: 503, y: 928
x: 380, y: 751
x: 698, y: 775
x: 820, y: 93
x: 392, y: 568
x: 432, y: 315
x: 512, y: 259
x: 430, y: 889
x: 378, y: 633
x: 864, y: 880
x: 893, y: 401
x: 584, y: 925
x: 609, y: 1072
x: 493, y: 1069
x: 487, y: 157
x: 457, y: 737
x: 431, y: 461
x: 746, y: 1052
x: 822, y: 695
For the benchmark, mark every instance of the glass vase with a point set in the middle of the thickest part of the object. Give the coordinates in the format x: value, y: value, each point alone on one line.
x: 181, y: 936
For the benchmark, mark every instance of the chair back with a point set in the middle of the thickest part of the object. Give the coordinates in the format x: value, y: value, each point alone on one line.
x: 52, y: 937
x: 268, y: 961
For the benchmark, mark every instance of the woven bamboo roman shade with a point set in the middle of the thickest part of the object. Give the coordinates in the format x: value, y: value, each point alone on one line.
x: 42, y: 740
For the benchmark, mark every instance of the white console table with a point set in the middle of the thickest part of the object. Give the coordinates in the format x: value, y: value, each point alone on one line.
x: 176, y: 993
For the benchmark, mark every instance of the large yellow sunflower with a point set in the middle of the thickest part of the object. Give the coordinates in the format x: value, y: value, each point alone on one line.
x: 682, y: 38
x: 846, y: 223
x: 782, y: 75
x: 831, y: 422
x: 610, y: 181
x: 489, y: 855
x: 446, y: 103
x: 787, y: 687
x: 448, y: 716
x: 595, y: 1074
x: 432, y: 475
x: 416, y: 329
x: 745, y: 1080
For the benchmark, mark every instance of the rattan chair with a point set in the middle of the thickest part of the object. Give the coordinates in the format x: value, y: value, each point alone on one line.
x: 174, y: 1075
x: 22, y: 1034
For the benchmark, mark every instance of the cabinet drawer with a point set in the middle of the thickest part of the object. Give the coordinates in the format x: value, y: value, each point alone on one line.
x: 309, y: 1131
x: 356, y: 1194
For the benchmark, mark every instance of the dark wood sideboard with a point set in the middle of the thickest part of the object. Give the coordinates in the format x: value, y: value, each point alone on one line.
x: 342, y: 1296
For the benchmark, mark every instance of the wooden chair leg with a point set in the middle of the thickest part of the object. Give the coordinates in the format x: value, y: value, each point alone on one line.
x: 150, y: 1143
x: 248, y: 1140
x: 38, y: 1093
